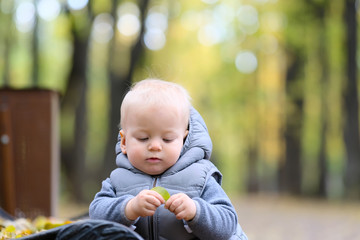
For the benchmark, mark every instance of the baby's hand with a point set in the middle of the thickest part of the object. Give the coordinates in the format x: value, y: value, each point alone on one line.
x: 144, y: 204
x: 182, y: 206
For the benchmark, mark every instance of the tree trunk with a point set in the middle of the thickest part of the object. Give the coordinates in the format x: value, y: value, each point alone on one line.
x: 119, y: 84
x: 253, y: 177
x: 290, y: 168
x: 322, y: 159
x: 351, y: 106
x: 74, y: 101
x: 7, y: 35
x: 35, y: 51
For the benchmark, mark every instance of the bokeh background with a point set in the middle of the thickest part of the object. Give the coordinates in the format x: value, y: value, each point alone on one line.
x: 275, y: 80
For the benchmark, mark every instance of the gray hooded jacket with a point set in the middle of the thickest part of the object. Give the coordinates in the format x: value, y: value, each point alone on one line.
x: 192, y: 174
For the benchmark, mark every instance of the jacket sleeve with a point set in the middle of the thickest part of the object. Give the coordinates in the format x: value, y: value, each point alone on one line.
x: 107, y: 206
x: 215, y: 216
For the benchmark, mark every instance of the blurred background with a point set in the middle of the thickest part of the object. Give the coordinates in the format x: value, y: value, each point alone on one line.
x: 276, y: 82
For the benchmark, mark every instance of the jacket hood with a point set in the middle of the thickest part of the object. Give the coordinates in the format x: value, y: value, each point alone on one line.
x: 197, y: 145
x: 198, y: 136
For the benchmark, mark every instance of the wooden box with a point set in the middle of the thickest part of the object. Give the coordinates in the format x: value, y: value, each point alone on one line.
x: 29, y: 152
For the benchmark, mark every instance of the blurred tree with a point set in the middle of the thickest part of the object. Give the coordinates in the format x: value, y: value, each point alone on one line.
x: 7, y: 37
x: 305, y: 54
x: 318, y: 59
x: 253, y: 180
x: 120, y: 81
x: 351, y: 105
x: 290, y: 168
x: 74, y: 103
x: 320, y: 11
x: 35, y: 50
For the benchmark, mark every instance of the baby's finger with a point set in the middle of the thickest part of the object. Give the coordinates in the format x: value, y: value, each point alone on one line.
x: 170, y: 201
x: 157, y: 196
x: 175, y: 205
x: 153, y: 203
x: 180, y: 215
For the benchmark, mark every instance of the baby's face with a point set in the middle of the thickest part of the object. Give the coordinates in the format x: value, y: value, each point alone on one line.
x: 153, y: 137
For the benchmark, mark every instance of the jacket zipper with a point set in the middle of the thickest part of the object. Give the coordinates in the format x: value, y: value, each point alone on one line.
x: 151, y: 224
x: 155, y: 181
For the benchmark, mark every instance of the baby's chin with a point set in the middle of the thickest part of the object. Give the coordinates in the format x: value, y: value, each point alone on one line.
x: 153, y: 171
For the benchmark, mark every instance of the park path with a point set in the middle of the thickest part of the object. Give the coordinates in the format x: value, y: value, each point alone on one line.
x: 266, y: 217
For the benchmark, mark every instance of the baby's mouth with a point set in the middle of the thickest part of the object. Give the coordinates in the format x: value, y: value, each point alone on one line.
x: 153, y: 159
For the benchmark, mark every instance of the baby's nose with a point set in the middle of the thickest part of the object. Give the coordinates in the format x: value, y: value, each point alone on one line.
x: 155, y: 145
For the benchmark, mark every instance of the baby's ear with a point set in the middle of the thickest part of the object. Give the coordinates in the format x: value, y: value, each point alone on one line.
x: 123, y: 141
x: 186, y: 133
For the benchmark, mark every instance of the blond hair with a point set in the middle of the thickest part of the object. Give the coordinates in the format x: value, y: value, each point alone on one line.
x: 156, y: 92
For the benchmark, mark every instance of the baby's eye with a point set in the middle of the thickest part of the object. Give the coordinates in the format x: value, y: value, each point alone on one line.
x: 167, y: 140
x: 143, y: 139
